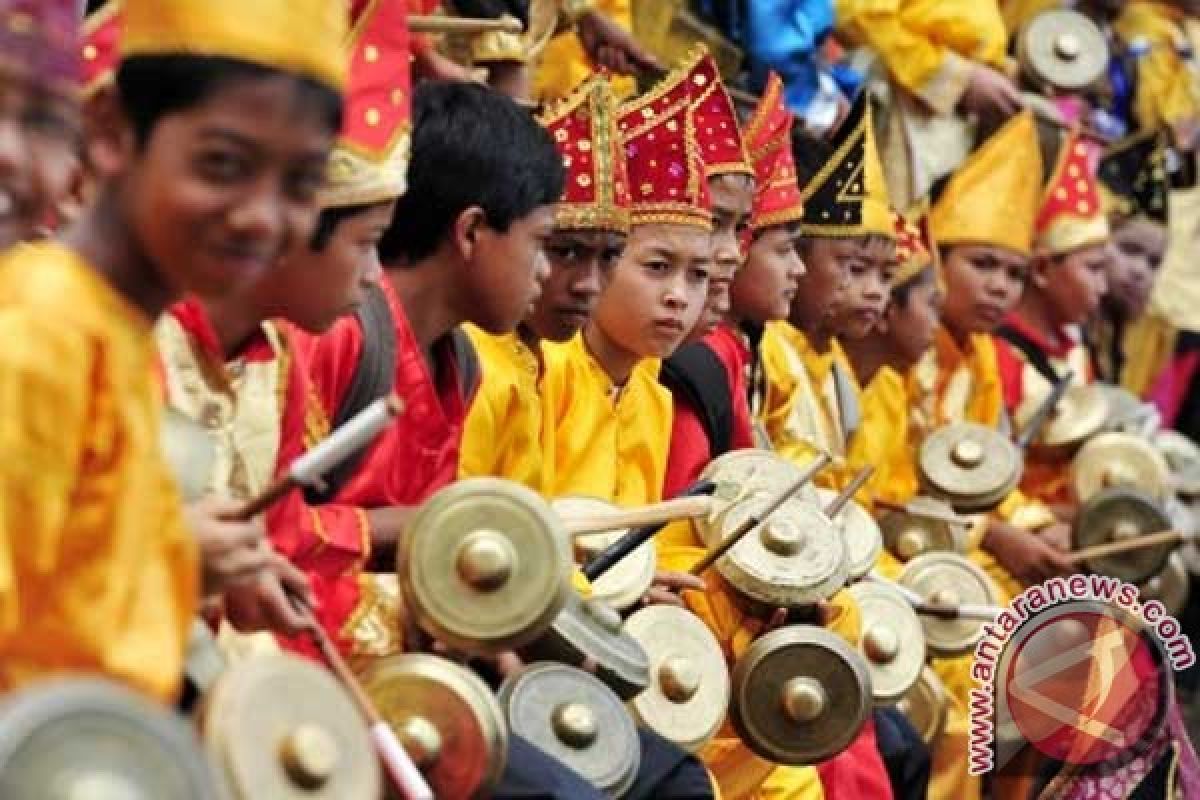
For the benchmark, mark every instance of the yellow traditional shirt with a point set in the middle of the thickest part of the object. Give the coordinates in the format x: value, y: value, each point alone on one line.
x: 98, y: 573
x: 503, y: 434
x: 1168, y: 92
x: 883, y: 439
x: 564, y: 64
x: 608, y: 442
x: 928, y: 46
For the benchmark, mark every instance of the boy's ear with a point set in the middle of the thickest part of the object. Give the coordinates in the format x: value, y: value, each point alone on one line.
x: 466, y: 230
x: 109, y: 142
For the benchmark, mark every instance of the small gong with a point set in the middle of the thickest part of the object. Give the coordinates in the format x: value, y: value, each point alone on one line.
x: 1169, y: 587
x: 629, y: 579
x: 742, y: 472
x: 795, y: 558
x: 592, y: 630
x: 949, y: 580
x: 282, y: 727
x: 447, y: 719
x: 971, y: 467
x: 1081, y: 413
x: 1119, y: 459
x: 860, y: 532
x: 84, y: 738
x: 1183, y: 460
x: 689, y: 690
x: 925, y: 705
x: 578, y: 720
x: 1063, y: 49
x: 892, y: 642
x: 800, y: 695
x: 484, y: 566
x: 1116, y: 515
x: 926, y: 525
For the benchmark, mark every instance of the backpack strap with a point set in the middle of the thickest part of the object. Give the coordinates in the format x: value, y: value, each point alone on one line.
x: 1033, y: 354
x: 373, y: 378
x: 696, y: 373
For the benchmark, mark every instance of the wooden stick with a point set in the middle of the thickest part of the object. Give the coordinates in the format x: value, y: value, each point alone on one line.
x: 1043, y: 412
x: 1128, y: 545
x: 434, y: 23
x: 711, y: 557
x: 925, y: 608
x: 307, y: 470
x: 624, y: 518
x: 950, y: 518
x: 842, y: 500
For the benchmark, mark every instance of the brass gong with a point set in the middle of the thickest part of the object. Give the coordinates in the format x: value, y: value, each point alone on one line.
x: 926, y: 525
x: 860, y: 532
x: 892, y: 642
x: 189, y: 451
x: 971, y: 467
x: 1183, y: 459
x: 591, y: 630
x: 484, y: 566
x: 629, y: 579
x: 1116, y: 515
x: 949, y: 580
x: 447, y: 719
x: 575, y: 718
x: 925, y: 705
x: 800, y: 695
x: 1169, y: 587
x: 1119, y: 459
x: 795, y: 558
x: 739, y: 473
x: 1062, y: 49
x: 1127, y: 413
x: 1081, y: 413
x: 85, y: 738
x: 689, y: 690
x: 282, y: 727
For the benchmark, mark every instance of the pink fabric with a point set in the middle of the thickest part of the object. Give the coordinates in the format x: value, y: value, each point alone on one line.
x: 1170, y: 389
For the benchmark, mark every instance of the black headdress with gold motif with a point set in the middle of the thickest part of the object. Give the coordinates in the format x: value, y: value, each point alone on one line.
x: 1133, y: 177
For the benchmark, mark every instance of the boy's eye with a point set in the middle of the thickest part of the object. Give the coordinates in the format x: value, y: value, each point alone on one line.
x: 223, y: 166
x: 657, y: 267
x: 45, y: 121
x: 303, y: 184
x: 564, y: 252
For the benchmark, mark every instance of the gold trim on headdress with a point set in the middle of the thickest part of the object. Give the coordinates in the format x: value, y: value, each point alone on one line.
x: 299, y: 36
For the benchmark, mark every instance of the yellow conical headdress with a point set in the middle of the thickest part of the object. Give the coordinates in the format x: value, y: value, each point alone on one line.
x: 301, y: 36
x: 994, y: 196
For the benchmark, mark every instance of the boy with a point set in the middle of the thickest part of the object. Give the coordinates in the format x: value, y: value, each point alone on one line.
x: 208, y: 163
x: 1042, y: 338
x: 811, y: 400
x: 504, y: 432
x: 39, y: 109
x: 1133, y: 187
x: 229, y: 369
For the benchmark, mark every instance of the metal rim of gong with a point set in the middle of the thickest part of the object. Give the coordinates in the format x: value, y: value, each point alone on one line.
x: 892, y: 642
x: 742, y: 473
x: 795, y: 558
x: 926, y: 575
x: 799, y: 717
x: 1116, y: 514
x: 280, y: 726
x: 970, y: 466
x: 447, y: 719
x: 1119, y: 459
x: 588, y: 729
x: 629, y: 579
x: 1081, y: 414
x: 926, y: 706
x: 73, y: 737
x: 468, y: 586
x: 1183, y: 459
x: 689, y: 696
x: 907, y: 535
x: 590, y: 629
x: 863, y: 537
x: 1124, y: 409
x: 1064, y: 49
x: 1170, y: 587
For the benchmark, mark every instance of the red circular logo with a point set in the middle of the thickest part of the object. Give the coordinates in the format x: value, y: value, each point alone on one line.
x: 1085, y: 684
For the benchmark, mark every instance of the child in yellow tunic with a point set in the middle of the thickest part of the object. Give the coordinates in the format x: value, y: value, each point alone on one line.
x: 1167, y: 95
x: 848, y: 247
x: 506, y: 428
x: 98, y: 572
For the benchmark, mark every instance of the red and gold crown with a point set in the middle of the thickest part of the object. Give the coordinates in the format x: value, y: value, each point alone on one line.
x: 777, y: 199
x: 40, y: 39
x: 370, y: 162
x: 717, y: 131
x: 101, y: 33
x: 914, y: 251
x: 584, y: 128
x: 667, y: 183
x: 1071, y: 215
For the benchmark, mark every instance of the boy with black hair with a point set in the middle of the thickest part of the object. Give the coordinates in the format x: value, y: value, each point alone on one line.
x: 39, y: 110
x: 208, y: 165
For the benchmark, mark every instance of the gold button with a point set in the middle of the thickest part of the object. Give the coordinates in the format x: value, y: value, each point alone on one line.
x: 372, y: 116
x: 371, y: 54
x: 89, y: 52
